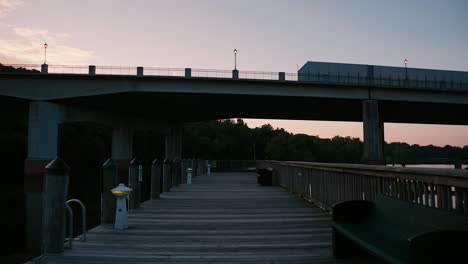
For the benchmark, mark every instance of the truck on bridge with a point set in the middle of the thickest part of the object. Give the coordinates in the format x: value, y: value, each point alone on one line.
x: 386, y: 75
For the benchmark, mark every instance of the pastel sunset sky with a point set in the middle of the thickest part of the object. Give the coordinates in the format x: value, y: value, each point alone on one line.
x: 271, y: 35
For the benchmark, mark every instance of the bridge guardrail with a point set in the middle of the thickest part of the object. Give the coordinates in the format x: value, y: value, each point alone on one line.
x: 327, y: 184
x: 423, y: 82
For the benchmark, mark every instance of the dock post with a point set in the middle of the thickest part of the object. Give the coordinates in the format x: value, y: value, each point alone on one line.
x: 55, y: 198
x: 167, y: 175
x: 189, y: 175
x: 109, y: 181
x: 156, y: 168
x: 176, y: 172
x: 134, y: 184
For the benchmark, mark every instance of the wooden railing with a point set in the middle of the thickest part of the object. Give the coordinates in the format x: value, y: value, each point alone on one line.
x: 326, y: 184
x: 232, y: 165
x: 199, y: 167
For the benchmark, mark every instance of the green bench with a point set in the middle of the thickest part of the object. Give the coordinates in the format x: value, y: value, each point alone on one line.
x: 399, y: 232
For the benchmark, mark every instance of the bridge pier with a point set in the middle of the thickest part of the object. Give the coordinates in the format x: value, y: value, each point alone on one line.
x: 373, y: 133
x: 43, y: 129
x: 173, y: 153
x: 122, y: 151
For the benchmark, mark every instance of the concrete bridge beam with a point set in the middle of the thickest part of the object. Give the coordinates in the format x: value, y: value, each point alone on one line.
x: 43, y: 126
x: 373, y: 133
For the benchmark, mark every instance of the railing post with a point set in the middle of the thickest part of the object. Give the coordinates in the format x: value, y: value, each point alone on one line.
x: 188, y: 72
x: 109, y: 181
x: 155, y: 179
x: 282, y: 76
x: 55, y: 198
x: 140, y: 71
x: 235, y: 74
x: 189, y: 175
x: 92, y: 70
x: 134, y: 184
x: 44, y: 69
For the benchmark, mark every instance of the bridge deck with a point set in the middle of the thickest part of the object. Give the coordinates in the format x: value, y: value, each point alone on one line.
x: 224, y: 217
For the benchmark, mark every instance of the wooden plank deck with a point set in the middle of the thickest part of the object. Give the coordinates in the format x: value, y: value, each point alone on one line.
x: 221, y: 218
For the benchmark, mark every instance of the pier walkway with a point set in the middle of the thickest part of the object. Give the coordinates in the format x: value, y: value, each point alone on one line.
x: 220, y: 218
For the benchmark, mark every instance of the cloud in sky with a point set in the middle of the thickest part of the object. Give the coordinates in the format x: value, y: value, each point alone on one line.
x: 7, y: 6
x: 26, y: 45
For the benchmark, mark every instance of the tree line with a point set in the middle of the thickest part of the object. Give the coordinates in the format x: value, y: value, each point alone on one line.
x: 233, y: 139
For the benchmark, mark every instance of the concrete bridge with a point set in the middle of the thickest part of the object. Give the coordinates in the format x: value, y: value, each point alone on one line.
x: 126, y: 99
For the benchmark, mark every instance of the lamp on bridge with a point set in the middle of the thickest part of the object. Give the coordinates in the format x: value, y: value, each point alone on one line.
x: 235, y: 59
x: 45, y: 53
x: 406, y: 69
x: 121, y: 219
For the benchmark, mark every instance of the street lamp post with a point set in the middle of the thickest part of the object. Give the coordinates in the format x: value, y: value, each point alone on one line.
x: 235, y: 59
x: 45, y: 53
x: 406, y: 69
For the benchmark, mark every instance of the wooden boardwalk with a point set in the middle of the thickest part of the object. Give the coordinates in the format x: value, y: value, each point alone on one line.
x: 221, y: 218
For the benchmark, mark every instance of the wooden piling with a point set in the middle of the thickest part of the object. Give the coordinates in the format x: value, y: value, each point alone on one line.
x: 55, y: 198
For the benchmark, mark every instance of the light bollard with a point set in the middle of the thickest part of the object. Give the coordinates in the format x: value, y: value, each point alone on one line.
x: 121, y: 218
x: 189, y: 175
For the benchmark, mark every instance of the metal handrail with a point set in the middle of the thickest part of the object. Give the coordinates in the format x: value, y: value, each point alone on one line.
x: 70, y: 227
x: 310, y: 77
x: 83, y: 217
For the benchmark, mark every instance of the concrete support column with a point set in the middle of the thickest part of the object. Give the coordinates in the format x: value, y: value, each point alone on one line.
x: 373, y: 133
x: 122, y: 150
x: 156, y: 171
x: 109, y: 181
x: 44, y: 119
x: 55, y: 198
x: 134, y: 184
x: 173, y: 153
x: 173, y: 143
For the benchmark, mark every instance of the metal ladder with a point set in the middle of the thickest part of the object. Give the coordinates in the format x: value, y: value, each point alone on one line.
x: 70, y: 222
